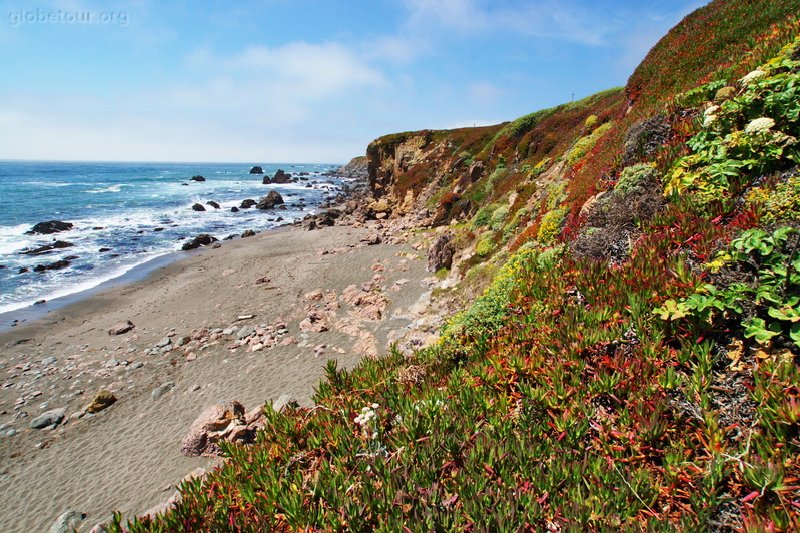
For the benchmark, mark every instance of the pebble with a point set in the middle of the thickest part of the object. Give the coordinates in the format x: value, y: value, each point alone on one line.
x: 245, y: 332
x: 166, y: 341
x: 137, y: 364
x: 67, y: 522
x: 47, y: 361
x: 11, y: 432
x: 161, y: 390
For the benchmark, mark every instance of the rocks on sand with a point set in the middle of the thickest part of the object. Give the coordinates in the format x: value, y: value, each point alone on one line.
x: 161, y: 390
x: 53, y: 417
x: 102, y: 400
x: 225, y: 421
x: 121, y: 327
x: 67, y: 522
x: 204, y: 239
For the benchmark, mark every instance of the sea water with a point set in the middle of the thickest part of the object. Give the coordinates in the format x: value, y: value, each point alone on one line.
x: 127, y: 214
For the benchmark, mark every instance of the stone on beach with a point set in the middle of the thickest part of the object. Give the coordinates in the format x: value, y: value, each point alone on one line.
x: 204, y: 239
x: 101, y: 401
x: 225, y: 421
x: 121, y: 327
x: 48, y: 418
x: 161, y: 390
x: 67, y: 522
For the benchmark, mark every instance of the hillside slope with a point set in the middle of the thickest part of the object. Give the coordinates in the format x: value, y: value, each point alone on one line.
x: 633, y: 364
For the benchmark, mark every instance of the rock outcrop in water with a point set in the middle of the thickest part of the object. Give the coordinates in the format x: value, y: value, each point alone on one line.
x: 204, y: 239
x: 270, y: 201
x: 256, y: 170
x: 49, y: 227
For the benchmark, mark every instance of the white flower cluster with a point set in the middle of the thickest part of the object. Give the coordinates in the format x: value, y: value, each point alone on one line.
x: 759, y: 125
x: 752, y: 76
x: 366, y: 415
x: 709, y: 115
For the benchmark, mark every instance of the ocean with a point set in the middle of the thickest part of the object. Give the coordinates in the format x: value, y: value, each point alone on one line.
x: 127, y: 214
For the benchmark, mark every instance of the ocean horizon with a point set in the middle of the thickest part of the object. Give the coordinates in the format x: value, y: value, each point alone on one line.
x: 126, y: 214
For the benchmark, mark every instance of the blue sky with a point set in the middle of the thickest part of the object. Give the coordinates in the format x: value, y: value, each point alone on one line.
x: 297, y: 80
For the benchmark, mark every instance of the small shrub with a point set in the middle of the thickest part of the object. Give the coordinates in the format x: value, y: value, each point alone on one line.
x: 780, y: 203
x: 498, y: 218
x: 483, y: 217
x: 586, y: 143
x: 485, y: 245
x: 636, y: 176
x: 644, y: 138
x: 550, y: 227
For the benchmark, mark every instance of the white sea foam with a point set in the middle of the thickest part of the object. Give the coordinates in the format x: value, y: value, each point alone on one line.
x: 59, y: 290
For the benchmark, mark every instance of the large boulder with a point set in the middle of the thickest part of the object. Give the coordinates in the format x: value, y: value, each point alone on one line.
x: 281, y: 177
x: 270, y: 201
x: 204, y: 239
x: 198, y: 207
x: 224, y: 421
x: 247, y: 203
x: 440, y: 254
x: 51, y: 226
x: 475, y: 171
x: 256, y: 170
x: 198, y: 178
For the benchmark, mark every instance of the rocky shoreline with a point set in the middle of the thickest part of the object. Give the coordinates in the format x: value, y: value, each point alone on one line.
x: 97, y: 397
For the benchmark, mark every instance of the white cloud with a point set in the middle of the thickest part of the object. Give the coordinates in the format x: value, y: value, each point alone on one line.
x: 278, y: 103
x: 541, y: 18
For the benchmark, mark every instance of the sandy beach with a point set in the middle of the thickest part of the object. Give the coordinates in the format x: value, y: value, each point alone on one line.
x: 338, y: 297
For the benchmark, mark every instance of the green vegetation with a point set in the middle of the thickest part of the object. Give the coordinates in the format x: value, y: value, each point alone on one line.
x: 586, y: 143
x: 652, y: 390
x: 752, y: 133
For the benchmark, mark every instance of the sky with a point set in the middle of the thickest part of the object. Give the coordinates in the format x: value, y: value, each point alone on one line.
x: 297, y: 80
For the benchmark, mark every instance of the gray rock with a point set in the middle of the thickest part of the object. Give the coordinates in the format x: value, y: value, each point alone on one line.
x: 47, y: 361
x: 11, y: 432
x: 161, y: 390
x: 440, y: 254
x: 67, y: 522
x: 48, y: 418
x: 282, y: 401
x: 245, y: 332
x: 111, y: 363
x: 137, y: 364
x: 166, y: 341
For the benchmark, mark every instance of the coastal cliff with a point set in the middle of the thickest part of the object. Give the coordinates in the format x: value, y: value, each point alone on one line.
x: 632, y: 362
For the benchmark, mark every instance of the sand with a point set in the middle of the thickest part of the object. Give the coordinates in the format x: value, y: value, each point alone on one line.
x: 127, y: 457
